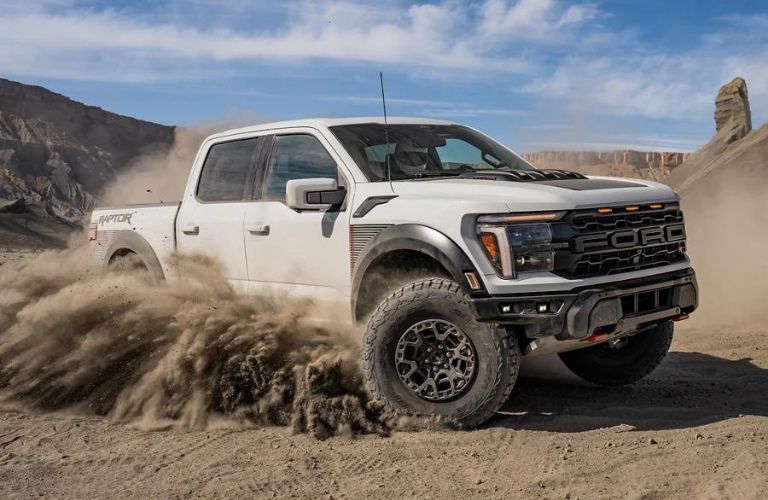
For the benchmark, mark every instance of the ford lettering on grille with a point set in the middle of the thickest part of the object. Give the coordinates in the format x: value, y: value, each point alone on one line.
x: 630, y: 238
x: 588, y: 243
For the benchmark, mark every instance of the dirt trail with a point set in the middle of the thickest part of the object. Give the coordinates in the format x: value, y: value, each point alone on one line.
x: 697, y: 428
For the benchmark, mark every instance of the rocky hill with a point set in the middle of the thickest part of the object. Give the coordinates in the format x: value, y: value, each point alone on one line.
x: 724, y: 190
x: 735, y: 151
x: 625, y: 163
x: 58, y: 155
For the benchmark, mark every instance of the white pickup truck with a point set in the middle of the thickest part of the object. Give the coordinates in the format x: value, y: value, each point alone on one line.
x: 458, y: 255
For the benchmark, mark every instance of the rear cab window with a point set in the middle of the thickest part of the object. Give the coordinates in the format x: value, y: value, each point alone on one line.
x: 229, y: 170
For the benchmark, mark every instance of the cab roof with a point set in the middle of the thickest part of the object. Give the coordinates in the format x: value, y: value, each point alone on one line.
x: 330, y: 122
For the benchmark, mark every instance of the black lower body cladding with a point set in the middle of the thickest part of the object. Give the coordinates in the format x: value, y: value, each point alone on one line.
x: 579, y: 313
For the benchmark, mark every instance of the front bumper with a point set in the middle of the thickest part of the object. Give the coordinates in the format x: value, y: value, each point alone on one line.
x: 611, y: 309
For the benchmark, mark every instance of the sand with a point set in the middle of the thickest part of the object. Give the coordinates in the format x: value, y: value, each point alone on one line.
x: 696, y: 428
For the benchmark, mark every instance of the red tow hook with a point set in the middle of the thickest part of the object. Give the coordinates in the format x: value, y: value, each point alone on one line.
x: 597, y: 336
x: 680, y: 317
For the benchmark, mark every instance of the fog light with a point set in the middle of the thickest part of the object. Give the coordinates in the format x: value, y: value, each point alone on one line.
x: 506, y: 309
x: 542, y: 308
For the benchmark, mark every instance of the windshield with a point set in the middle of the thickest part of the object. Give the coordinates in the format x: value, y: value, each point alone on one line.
x: 420, y: 151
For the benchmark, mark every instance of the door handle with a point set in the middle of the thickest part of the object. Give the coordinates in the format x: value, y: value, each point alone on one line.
x: 191, y: 228
x: 260, y: 229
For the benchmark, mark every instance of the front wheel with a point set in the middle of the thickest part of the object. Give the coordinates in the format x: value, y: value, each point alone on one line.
x: 624, y: 361
x: 425, y: 353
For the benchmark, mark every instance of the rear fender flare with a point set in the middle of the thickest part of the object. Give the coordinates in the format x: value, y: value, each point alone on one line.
x: 121, y: 241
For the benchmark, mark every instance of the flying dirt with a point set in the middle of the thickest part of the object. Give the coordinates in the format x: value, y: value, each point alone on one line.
x: 177, y: 353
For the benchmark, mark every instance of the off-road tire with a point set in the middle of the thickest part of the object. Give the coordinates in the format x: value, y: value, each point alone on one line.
x: 128, y: 262
x: 498, y: 354
x: 603, y: 365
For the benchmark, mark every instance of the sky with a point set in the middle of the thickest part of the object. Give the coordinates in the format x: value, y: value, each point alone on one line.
x: 534, y: 74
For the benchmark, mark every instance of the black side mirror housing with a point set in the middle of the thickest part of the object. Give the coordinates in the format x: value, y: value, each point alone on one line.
x: 333, y: 197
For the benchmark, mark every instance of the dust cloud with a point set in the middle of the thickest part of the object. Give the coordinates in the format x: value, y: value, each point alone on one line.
x: 161, y: 176
x: 725, y: 221
x: 180, y: 354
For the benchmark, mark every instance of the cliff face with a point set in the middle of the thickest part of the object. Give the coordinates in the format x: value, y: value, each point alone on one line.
x: 628, y: 163
x: 60, y: 154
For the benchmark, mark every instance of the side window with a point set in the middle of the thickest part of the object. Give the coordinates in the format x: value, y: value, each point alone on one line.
x: 227, y: 170
x: 296, y: 157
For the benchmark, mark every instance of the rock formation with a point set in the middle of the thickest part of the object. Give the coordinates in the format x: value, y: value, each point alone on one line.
x: 61, y: 154
x: 736, y: 151
x: 732, y: 110
x: 643, y: 164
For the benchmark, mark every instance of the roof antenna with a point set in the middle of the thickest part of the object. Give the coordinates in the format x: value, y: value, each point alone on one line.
x: 386, y: 130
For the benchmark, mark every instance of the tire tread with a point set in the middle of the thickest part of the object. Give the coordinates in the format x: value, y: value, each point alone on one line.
x: 436, y: 288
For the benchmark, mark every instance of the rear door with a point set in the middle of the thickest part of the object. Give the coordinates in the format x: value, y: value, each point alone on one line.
x: 210, y: 220
x: 300, y: 253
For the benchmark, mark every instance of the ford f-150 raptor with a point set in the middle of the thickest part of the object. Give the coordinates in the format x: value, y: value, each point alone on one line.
x: 459, y: 256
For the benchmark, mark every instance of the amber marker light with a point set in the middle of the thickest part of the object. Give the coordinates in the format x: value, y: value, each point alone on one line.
x: 604, y: 210
x: 491, y: 247
x: 474, y: 283
x: 656, y: 206
x: 633, y: 208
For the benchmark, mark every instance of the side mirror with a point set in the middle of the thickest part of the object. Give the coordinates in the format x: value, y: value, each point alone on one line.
x: 314, y: 194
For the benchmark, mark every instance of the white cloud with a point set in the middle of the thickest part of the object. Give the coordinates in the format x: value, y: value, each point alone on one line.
x: 468, y: 112
x: 430, y: 107
x: 533, y: 19
x: 394, y: 100
x: 634, y: 79
x: 650, y: 86
x: 557, y: 54
x: 123, y: 45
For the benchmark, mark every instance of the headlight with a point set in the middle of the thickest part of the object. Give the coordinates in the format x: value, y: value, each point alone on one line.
x: 518, y: 243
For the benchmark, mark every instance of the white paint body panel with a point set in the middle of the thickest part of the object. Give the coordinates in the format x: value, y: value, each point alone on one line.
x: 155, y: 223
x: 306, y: 253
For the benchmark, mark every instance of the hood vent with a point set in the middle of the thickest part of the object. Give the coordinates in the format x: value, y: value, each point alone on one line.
x: 523, y: 175
x: 556, y: 178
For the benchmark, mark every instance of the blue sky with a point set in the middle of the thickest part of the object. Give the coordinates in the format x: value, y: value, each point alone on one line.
x: 535, y: 74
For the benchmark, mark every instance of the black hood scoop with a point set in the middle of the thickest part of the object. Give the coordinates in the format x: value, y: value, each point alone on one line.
x: 558, y: 178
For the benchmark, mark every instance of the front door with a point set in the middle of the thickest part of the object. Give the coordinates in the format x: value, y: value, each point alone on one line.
x: 299, y: 253
x: 211, y: 217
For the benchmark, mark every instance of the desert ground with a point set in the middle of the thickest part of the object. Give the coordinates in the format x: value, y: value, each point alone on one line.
x: 696, y: 428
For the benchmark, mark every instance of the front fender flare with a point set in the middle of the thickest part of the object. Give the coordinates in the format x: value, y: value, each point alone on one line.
x: 414, y: 237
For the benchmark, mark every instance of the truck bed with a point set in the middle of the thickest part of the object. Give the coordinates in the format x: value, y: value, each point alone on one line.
x: 155, y: 222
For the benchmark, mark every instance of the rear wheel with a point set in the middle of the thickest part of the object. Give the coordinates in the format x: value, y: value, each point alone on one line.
x: 127, y: 261
x: 624, y: 361
x: 426, y: 354
x: 130, y: 262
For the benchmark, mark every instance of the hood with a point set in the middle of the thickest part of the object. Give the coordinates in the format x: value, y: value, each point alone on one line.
x: 564, y: 194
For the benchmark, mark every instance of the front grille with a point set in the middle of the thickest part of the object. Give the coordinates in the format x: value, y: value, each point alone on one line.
x: 589, y: 243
